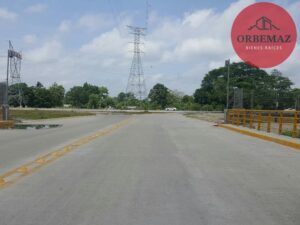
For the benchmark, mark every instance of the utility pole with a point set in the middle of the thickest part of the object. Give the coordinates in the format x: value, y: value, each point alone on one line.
x: 136, y: 81
x: 227, y: 63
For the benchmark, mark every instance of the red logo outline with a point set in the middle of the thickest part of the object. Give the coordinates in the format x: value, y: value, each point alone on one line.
x: 264, y: 35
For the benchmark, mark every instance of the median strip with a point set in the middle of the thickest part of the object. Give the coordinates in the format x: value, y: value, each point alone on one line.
x: 15, y: 174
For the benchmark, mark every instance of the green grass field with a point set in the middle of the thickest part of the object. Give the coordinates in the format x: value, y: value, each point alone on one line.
x: 44, y: 114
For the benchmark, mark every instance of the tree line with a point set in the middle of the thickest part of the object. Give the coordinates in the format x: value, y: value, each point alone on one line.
x: 261, y: 90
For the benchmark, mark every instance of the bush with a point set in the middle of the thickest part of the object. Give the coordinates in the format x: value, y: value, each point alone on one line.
x: 207, y: 108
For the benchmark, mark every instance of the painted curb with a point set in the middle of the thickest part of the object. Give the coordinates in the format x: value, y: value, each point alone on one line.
x: 263, y: 137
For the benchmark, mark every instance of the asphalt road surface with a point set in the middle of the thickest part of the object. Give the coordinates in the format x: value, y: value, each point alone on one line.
x: 157, y: 170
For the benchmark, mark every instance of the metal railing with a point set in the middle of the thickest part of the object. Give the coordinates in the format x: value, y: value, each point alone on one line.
x: 284, y: 122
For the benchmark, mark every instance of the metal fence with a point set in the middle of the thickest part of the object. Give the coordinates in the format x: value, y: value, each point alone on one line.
x: 284, y: 122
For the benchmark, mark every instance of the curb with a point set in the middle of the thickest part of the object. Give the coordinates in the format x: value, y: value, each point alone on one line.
x: 6, y: 123
x: 263, y: 137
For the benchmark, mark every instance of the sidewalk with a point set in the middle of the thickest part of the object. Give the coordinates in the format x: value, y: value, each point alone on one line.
x: 279, y: 139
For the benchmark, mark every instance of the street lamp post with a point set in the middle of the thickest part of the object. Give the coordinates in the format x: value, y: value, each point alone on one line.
x: 227, y: 63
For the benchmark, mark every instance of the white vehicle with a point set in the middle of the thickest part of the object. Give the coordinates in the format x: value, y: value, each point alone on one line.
x: 171, y: 109
x: 289, y: 109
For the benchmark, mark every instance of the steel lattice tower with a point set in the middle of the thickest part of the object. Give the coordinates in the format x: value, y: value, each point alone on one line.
x: 14, y: 60
x: 136, y: 81
x: 14, y: 65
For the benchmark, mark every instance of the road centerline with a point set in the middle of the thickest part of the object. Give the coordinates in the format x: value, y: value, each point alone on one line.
x: 19, y: 172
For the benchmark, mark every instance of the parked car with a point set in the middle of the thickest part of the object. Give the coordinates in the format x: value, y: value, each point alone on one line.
x: 171, y: 109
x: 289, y: 109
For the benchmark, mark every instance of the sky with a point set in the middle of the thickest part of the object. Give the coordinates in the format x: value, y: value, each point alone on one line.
x: 72, y: 42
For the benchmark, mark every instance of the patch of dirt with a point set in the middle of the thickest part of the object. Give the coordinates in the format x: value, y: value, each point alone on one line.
x: 207, y: 116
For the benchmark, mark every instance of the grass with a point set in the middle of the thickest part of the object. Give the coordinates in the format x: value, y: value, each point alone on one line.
x: 290, y: 133
x: 44, y: 114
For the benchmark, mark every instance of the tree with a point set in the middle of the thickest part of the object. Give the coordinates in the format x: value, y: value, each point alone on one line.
x: 108, y: 102
x: 39, y: 85
x: 79, y: 96
x: 57, y: 93
x: 174, y: 99
x: 159, y: 96
x: 261, y: 90
x: 76, y: 97
x: 103, y: 92
x: 123, y: 100
x: 187, y: 99
x: 201, y: 96
x: 16, y: 94
x: 28, y: 96
x: 42, y: 98
x: 122, y: 97
x: 93, y: 101
x: 103, y: 95
x: 88, y: 89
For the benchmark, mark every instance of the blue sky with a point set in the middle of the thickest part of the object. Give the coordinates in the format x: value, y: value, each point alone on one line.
x: 70, y: 42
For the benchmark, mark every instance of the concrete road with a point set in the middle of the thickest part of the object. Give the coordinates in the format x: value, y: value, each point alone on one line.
x: 162, y: 170
x: 20, y: 146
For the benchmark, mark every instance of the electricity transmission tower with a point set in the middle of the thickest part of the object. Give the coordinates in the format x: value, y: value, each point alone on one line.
x: 14, y: 70
x: 136, y: 81
x: 13, y: 76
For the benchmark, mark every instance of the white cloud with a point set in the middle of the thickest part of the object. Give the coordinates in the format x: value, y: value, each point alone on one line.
x: 197, y: 19
x: 65, y: 26
x: 30, y: 39
x: 94, y: 21
x: 7, y: 15
x: 48, y: 53
x: 178, y: 51
x: 109, y: 43
x: 294, y: 10
x: 37, y: 8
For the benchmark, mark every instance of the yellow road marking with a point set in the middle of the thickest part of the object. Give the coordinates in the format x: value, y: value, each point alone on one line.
x: 263, y: 137
x: 15, y: 174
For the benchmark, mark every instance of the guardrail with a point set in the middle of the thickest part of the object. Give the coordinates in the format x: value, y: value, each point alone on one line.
x: 284, y: 122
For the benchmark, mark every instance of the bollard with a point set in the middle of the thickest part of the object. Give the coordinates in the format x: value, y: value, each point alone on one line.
x: 2, y: 181
x: 234, y: 118
x: 250, y: 120
x: 269, y: 123
x: 280, y: 123
x: 295, y: 123
x: 41, y: 161
x: 238, y: 122
x: 23, y: 170
x: 244, y: 119
x: 259, y: 122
